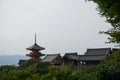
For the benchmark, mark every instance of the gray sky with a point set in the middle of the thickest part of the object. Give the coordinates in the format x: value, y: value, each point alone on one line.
x: 61, y: 26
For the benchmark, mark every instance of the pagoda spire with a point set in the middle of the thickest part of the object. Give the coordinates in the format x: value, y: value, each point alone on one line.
x: 35, y: 38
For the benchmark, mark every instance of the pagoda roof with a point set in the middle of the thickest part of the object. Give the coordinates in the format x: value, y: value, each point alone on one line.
x: 35, y: 47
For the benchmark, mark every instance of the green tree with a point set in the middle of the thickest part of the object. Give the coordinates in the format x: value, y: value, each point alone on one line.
x: 64, y: 73
x: 88, y: 73
x: 111, y: 10
x: 109, y: 69
x: 27, y: 72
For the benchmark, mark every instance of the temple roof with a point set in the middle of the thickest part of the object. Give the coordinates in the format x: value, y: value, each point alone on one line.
x: 72, y: 53
x: 73, y: 56
x: 51, y: 57
x: 35, y: 47
x: 98, y: 51
x: 91, y: 57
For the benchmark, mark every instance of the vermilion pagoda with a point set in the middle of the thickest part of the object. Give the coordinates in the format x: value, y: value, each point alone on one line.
x: 35, y: 48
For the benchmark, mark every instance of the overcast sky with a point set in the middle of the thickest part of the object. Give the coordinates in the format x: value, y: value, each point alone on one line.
x: 61, y: 26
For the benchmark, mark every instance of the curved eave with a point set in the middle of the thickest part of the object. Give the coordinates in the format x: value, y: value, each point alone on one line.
x: 35, y: 47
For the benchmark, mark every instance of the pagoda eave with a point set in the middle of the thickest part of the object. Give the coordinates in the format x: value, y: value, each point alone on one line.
x: 35, y: 49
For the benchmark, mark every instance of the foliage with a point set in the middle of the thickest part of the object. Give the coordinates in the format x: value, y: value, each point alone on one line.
x: 65, y: 73
x: 24, y: 73
x: 111, y: 10
x: 109, y: 69
x: 88, y: 73
x: 44, y: 71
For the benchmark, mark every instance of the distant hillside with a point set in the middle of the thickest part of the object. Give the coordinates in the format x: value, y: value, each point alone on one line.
x: 11, y: 59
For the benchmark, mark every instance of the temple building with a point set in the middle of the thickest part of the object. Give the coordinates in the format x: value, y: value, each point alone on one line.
x: 35, y: 49
x: 91, y: 57
x: 94, y: 56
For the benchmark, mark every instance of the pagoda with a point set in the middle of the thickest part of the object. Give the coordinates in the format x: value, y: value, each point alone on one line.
x: 35, y: 49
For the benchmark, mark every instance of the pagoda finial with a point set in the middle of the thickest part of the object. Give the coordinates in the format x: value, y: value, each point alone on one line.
x: 35, y: 38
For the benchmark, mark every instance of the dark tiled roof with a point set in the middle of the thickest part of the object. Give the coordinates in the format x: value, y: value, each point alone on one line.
x: 36, y: 47
x: 72, y: 56
x: 91, y: 57
x: 73, y: 53
x: 99, y: 51
x: 51, y: 57
x: 91, y: 54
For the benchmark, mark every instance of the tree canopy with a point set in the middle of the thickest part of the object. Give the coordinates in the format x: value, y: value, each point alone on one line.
x: 111, y: 10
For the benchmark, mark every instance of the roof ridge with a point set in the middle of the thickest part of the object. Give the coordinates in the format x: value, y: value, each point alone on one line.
x: 54, y: 54
x: 97, y: 48
x: 91, y: 55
